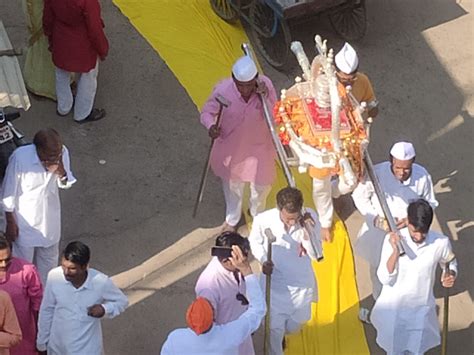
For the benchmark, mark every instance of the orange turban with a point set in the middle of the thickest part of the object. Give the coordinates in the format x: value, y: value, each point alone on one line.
x: 200, y: 315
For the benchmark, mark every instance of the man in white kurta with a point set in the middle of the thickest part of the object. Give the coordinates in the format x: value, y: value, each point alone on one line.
x: 30, y: 199
x: 402, y: 181
x: 404, y: 315
x: 293, y: 285
x: 203, y: 336
x: 75, y: 299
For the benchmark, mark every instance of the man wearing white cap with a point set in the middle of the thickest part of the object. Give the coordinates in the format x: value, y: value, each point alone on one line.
x: 243, y: 151
x: 402, y: 181
x: 347, y: 65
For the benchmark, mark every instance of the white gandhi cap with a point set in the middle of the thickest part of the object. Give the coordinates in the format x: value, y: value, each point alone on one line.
x: 346, y: 59
x: 244, y: 69
x: 403, y: 151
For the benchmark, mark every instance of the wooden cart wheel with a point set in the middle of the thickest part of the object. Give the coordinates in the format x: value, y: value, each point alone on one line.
x: 350, y: 21
x: 223, y: 9
x: 270, y: 34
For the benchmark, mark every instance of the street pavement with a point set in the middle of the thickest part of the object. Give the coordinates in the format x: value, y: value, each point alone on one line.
x: 133, y: 208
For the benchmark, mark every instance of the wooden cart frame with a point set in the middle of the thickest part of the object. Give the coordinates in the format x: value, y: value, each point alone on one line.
x: 268, y: 21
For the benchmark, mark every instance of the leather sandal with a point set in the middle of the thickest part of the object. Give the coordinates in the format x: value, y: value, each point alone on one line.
x: 95, y: 115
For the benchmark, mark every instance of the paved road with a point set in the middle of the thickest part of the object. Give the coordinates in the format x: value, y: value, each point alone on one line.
x: 419, y: 55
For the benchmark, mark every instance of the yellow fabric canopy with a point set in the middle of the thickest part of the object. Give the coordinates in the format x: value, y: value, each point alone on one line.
x: 200, y: 49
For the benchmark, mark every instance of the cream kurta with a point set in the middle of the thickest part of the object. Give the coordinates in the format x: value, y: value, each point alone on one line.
x: 293, y: 280
x: 398, y: 196
x: 31, y: 193
x: 405, y: 312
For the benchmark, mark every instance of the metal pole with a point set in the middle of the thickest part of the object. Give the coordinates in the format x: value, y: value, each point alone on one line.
x: 381, y: 197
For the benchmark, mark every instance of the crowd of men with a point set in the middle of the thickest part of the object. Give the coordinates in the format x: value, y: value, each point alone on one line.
x: 403, y: 262
x: 45, y: 308
x: 58, y: 308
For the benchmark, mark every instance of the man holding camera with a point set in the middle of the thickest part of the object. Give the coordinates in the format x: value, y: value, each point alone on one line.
x: 203, y: 335
x: 223, y: 285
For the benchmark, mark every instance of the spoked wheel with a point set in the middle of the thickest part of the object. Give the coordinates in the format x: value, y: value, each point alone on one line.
x: 270, y: 34
x: 350, y: 20
x: 223, y: 9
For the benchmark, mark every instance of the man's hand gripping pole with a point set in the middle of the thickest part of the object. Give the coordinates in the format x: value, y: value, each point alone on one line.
x: 223, y: 102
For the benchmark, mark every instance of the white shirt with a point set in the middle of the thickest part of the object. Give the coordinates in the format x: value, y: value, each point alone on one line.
x: 31, y: 192
x: 293, y: 281
x: 221, y: 339
x: 398, y: 195
x: 405, y: 312
x: 64, y: 328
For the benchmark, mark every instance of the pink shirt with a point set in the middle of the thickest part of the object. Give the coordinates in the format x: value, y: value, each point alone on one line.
x: 220, y: 287
x: 244, y: 151
x: 23, y: 284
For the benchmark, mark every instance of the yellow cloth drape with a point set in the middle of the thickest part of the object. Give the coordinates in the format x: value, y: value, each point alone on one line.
x: 38, y: 71
x: 200, y: 49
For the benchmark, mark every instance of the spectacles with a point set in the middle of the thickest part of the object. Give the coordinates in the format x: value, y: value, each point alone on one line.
x: 243, y: 300
x: 52, y: 160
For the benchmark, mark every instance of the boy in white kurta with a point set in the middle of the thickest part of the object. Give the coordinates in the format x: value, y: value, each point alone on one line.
x: 405, y: 312
x: 293, y: 286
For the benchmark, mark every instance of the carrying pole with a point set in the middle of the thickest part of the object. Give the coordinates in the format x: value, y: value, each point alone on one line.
x: 222, y: 103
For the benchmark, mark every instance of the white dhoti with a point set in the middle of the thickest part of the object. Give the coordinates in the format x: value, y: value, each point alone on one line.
x: 86, y: 90
x: 233, y: 194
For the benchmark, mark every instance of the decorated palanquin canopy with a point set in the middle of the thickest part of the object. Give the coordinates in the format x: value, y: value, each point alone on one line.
x: 318, y: 119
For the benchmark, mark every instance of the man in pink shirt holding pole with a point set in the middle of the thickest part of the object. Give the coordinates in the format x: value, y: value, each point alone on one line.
x: 243, y: 151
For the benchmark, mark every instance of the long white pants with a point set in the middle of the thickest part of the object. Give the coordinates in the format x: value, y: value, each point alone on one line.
x: 324, y: 190
x: 233, y: 194
x: 322, y: 197
x: 283, y: 323
x: 86, y: 89
x: 45, y: 259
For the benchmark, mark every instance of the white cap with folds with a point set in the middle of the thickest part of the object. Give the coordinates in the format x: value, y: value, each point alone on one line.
x: 403, y: 151
x: 346, y: 59
x: 244, y: 69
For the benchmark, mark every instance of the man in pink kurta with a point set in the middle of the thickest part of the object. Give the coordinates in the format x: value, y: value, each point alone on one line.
x: 243, y: 151
x: 224, y: 287
x: 21, y: 281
